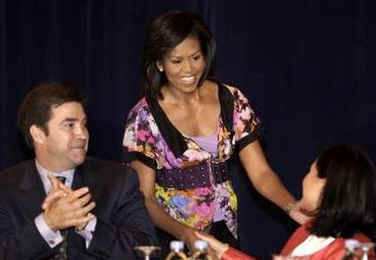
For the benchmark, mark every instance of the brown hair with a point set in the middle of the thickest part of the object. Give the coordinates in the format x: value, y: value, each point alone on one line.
x: 35, y: 109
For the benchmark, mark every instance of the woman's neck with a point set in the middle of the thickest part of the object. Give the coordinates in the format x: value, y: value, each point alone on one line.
x: 174, y: 96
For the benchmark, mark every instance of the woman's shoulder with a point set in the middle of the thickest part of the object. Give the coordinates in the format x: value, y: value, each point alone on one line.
x: 140, y: 112
x: 218, y: 84
x: 226, y: 88
x: 141, y: 107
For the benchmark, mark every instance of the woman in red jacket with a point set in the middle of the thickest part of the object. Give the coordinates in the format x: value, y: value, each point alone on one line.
x: 339, y: 191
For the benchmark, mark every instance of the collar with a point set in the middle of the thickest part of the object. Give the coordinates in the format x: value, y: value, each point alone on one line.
x: 43, y: 173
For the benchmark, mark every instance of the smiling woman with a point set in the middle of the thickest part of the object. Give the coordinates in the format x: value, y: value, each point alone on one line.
x: 183, y: 66
x: 180, y: 136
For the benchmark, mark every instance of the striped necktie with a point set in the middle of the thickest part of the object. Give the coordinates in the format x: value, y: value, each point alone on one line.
x: 62, y: 250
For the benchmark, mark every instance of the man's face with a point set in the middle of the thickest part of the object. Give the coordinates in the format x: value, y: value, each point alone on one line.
x: 66, y: 144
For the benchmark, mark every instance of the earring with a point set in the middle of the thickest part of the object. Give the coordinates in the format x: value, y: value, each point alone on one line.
x: 160, y: 69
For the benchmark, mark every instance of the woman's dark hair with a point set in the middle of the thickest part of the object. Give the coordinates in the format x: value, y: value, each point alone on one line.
x: 347, y: 203
x: 37, y: 105
x: 164, y: 34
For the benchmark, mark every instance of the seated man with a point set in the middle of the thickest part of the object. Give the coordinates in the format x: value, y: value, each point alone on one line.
x: 98, y: 214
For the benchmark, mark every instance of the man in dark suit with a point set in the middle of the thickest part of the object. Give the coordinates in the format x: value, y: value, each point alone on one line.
x: 98, y: 213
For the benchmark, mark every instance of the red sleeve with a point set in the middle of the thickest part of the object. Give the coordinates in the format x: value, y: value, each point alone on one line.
x: 233, y: 254
x: 296, y: 238
x: 334, y: 251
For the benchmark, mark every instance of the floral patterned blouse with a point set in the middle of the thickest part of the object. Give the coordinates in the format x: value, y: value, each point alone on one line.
x: 152, y: 139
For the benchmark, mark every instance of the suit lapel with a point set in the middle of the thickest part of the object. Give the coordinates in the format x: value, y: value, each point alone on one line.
x: 32, y: 192
x: 82, y: 178
x: 85, y: 176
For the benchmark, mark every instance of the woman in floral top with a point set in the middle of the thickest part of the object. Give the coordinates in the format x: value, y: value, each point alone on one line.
x: 181, y: 135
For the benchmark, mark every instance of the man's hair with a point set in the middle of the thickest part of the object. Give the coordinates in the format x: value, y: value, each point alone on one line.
x: 164, y: 34
x: 348, y: 198
x: 37, y: 106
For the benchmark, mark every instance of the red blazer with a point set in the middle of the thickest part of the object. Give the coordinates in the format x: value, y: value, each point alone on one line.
x: 334, y: 251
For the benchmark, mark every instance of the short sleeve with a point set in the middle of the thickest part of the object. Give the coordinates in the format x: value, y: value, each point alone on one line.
x: 138, y: 140
x: 246, y: 125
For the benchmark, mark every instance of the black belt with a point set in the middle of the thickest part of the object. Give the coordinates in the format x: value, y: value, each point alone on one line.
x: 193, y: 177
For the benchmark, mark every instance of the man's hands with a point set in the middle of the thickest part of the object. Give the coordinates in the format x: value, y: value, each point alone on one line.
x: 65, y: 208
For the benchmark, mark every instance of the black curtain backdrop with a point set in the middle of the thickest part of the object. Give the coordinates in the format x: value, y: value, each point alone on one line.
x: 307, y: 67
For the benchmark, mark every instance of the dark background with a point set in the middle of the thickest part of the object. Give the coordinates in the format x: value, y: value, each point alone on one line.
x: 306, y: 66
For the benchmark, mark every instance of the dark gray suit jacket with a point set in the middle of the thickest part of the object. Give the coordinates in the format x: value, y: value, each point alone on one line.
x: 122, y: 223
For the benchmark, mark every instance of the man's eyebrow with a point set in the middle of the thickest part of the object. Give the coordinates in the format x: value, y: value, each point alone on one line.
x: 70, y: 119
x: 73, y: 119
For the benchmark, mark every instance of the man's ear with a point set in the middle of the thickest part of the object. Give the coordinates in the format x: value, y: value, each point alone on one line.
x: 38, y: 135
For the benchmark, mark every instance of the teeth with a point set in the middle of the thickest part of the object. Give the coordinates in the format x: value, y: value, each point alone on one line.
x: 188, y: 79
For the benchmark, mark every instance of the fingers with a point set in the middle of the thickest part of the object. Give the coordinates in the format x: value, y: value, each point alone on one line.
x: 81, y: 201
x: 208, y: 238
x: 213, y: 254
x: 62, y: 216
x: 64, y: 187
x: 189, y: 239
x: 202, y: 236
x: 74, y: 195
x: 76, y: 222
x: 83, y: 211
x: 52, y: 197
x: 53, y: 180
x: 77, y: 203
x: 81, y: 221
x: 67, y: 208
x: 56, y: 184
x: 82, y: 226
x: 214, y: 243
x: 58, y: 190
x: 299, y: 214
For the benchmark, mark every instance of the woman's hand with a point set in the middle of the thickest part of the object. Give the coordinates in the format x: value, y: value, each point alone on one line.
x: 216, y: 245
x: 298, y: 213
x: 189, y: 237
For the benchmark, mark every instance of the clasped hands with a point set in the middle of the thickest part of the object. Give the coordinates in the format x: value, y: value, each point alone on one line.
x: 66, y: 208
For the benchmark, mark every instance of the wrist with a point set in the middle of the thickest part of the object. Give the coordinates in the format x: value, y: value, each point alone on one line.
x: 49, y: 223
x: 290, y: 206
x: 185, y: 235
